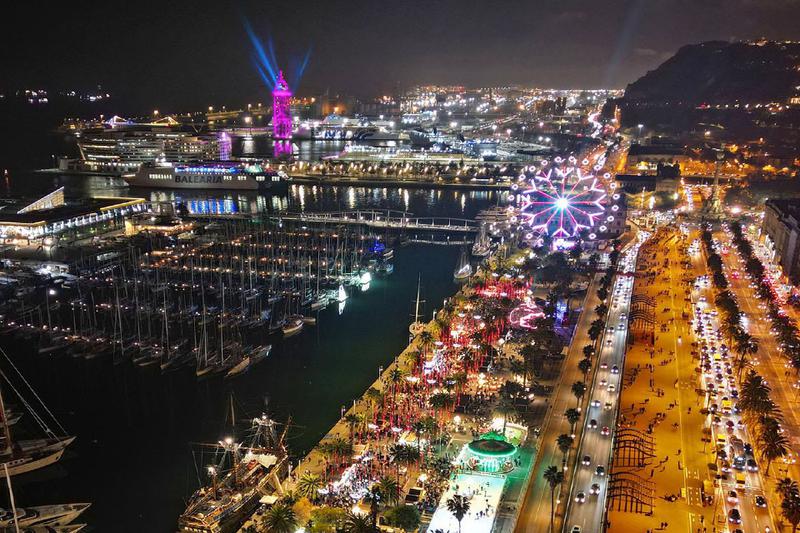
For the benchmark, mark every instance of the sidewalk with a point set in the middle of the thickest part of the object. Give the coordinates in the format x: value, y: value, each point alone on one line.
x: 658, y: 392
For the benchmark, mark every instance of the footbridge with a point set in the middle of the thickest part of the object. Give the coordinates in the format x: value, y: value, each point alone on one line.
x: 387, y: 219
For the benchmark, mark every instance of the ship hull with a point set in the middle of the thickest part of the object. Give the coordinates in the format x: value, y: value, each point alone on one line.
x: 168, y: 178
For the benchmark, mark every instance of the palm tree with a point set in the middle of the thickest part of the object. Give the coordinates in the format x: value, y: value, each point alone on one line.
x: 774, y: 444
x: 578, y: 389
x: 308, y: 485
x: 585, y: 365
x: 402, y: 454
x: 790, y: 509
x: 786, y: 487
x: 414, y: 359
x: 517, y: 367
x: 356, y: 523
x: 396, y: 377
x: 588, y: 351
x: 280, y: 518
x: 564, y: 443
x: 554, y: 477
x: 459, y: 507
x: 374, y: 497
x: 426, y: 340
x: 505, y: 407
x: 373, y: 396
x: 389, y: 489
x: 352, y: 420
x: 754, y: 398
x: 440, y: 400
x: 573, y: 415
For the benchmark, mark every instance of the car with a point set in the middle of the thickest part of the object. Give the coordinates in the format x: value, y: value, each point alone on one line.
x: 608, y: 406
x: 605, y: 431
x: 611, y: 387
x: 733, y: 497
x: 610, y: 342
x: 603, y: 382
x: 600, y: 470
x: 576, y: 529
x: 595, y: 488
x: 734, y: 516
x: 752, y: 466
x: 615, y: 369
x: 760, y: 501
x: 580, y: 497
x: 592, y: 423
x: 621, y: 327
x: 595, y: 403
x: 610, y: 329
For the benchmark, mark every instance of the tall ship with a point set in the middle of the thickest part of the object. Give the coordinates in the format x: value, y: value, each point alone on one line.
x: 227, y: 175
x: 245, y: 473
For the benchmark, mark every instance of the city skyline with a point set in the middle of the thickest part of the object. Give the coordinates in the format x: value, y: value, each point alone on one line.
x: 364, y: 49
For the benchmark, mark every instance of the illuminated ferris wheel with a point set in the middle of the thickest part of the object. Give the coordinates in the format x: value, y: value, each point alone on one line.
x: 565, y: 199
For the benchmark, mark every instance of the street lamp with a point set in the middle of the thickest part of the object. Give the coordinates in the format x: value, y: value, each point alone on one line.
x: 48, y: 293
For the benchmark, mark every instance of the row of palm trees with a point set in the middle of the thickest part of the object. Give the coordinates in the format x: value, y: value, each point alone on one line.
x: 553, y: 475
x: 786, y: 331
x: 755, y: 402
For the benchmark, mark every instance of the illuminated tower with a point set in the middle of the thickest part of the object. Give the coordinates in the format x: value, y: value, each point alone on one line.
x: 281, y: 106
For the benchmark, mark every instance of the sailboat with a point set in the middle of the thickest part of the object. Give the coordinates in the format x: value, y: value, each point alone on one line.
x: 21, y: 456
x: 416, y: 327
x: 256, y: 356
x: 464, y: 269
x: 293, y: 326
x: 482, y: 246
x: 341, y: 294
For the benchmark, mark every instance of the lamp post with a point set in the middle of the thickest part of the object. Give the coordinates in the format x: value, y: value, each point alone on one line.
x: 47, y: 294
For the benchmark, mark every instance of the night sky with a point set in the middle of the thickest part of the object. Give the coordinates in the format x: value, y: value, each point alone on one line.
x: 178, y: 55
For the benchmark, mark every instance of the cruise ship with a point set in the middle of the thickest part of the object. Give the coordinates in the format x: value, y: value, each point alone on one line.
x: 124, y: 146
x: 227, y: 175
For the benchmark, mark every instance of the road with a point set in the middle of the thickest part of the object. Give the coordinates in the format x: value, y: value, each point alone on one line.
x: 771, y: 364
x: 585, y: 507
x: 535, y: 511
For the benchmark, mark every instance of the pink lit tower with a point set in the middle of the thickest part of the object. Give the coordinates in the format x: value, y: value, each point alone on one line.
x: 281, y: 117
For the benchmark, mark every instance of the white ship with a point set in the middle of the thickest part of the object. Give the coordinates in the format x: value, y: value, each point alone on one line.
x: 227, y: 175
x: 42, y: 515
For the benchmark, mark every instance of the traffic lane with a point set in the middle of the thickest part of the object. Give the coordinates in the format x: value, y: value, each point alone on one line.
x: 596, y: 445
x: 751, y: 516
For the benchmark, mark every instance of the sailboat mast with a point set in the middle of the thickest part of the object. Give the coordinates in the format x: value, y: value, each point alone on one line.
x: 416, y: 309
x: 7, y: 448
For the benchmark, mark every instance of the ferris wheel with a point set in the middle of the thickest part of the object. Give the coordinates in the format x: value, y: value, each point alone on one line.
x: 564, y: 198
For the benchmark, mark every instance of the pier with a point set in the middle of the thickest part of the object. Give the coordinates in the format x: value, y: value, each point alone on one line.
x: 388, y: 219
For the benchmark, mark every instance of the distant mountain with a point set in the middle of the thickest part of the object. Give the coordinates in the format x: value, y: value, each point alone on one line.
x: 719, y: 72
x: 713, y: 73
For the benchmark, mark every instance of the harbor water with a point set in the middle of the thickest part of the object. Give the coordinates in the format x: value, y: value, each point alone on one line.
x: 137, y: 457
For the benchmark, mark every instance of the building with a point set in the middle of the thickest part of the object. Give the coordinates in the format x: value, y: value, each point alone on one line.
x: 781, y: 229
x: 52, y: 218
x: 647, y: 158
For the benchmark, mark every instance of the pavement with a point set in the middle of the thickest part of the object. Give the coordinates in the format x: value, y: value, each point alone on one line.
x: 664, y: 379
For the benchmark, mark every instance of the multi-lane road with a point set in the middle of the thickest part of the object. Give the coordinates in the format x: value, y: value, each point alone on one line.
x: 586, y: 504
